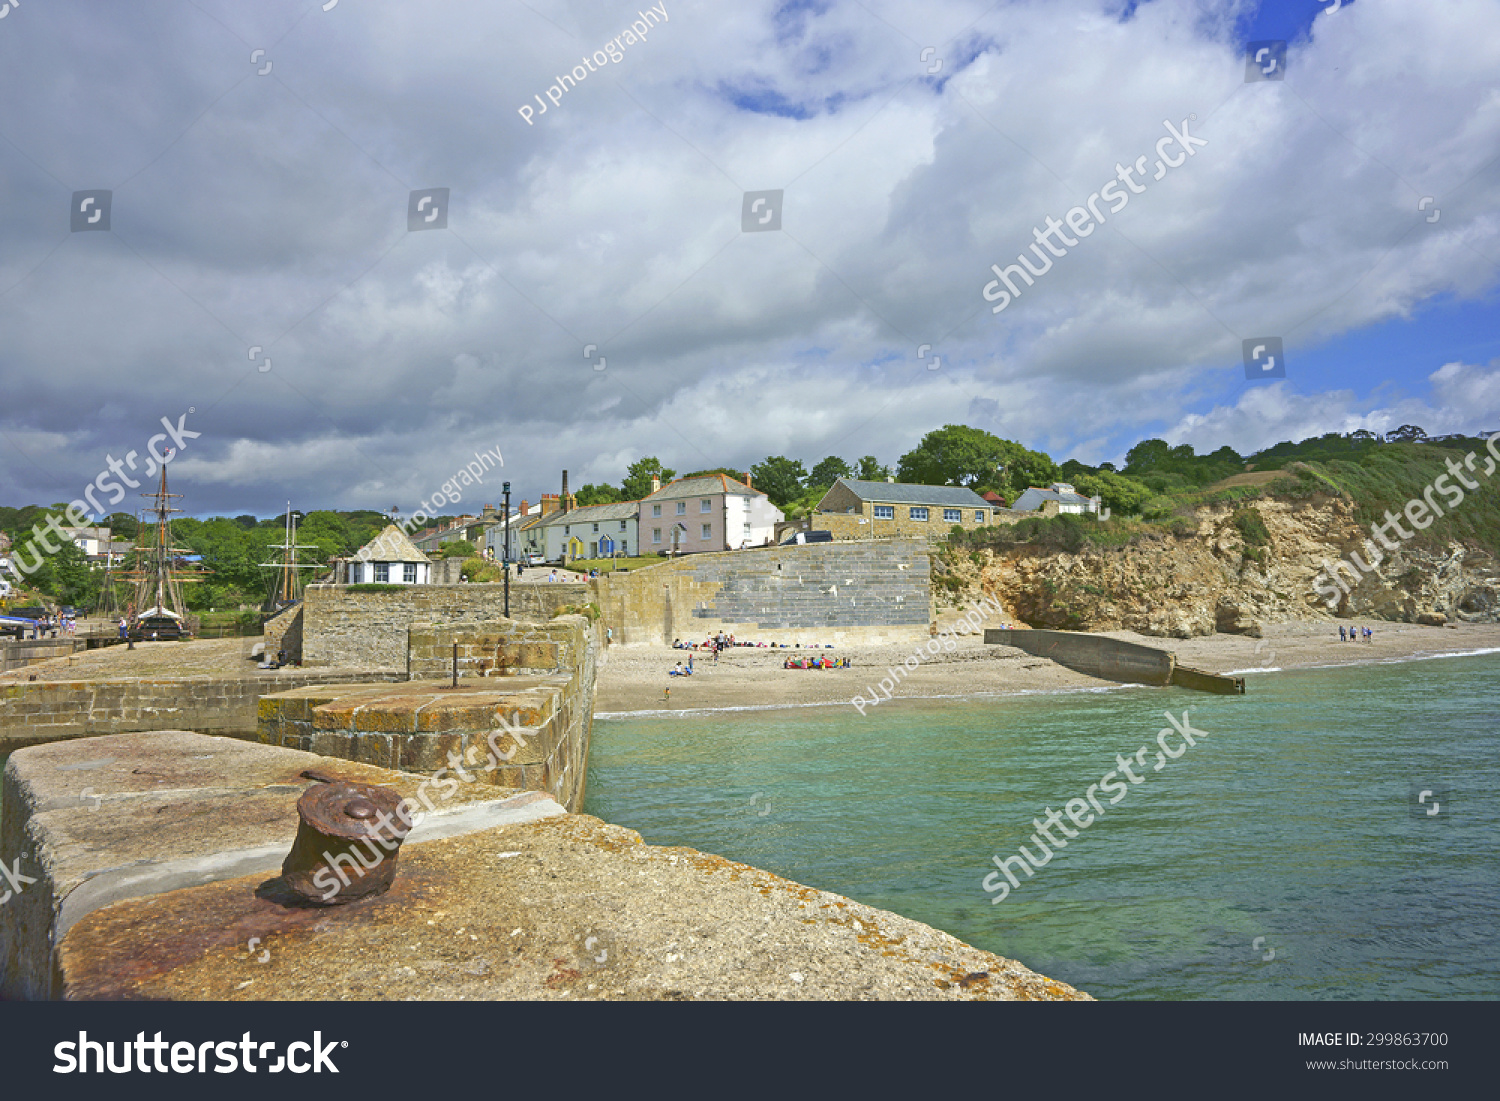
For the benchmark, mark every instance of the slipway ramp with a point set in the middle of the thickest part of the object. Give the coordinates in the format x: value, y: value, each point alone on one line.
x: 1115, y: 660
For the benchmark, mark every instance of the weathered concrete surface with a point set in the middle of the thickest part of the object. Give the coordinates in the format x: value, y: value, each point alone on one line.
x: 94, y: 820
x: 493, y: 899
x: 567, y: 907
x: 522, y: 713
x: 1114, y: 659
x: 416, y: 726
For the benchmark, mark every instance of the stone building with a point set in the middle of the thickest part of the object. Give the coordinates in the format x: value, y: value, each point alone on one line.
x: 854, y: 509
x: 1059, y: 494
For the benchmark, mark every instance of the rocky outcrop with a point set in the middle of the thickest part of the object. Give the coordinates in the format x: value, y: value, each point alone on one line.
x: 1207, y: 578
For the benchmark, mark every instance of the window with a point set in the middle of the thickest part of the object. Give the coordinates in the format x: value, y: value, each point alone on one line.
x: 708, y: 531
x: 354, y: 573
x: 656, y: 535
x: 681, y: 508
x: 885, y: 512
x: 622, y: 525
x: 918, y: 513
x: 953, y: 515
x: 624, y: 547
x: 382, y: 571
x: 655, y: 510
x: 409, y: 572
x: 706, y: 506
x: 567, y: 529
x: 979, y: 515
x: 596, y: 527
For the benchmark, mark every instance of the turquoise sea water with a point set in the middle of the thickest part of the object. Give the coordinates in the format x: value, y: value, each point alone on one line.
x: 1295, y: 819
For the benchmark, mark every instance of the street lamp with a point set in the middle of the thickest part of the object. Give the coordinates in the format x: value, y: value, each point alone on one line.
x: 506, y: 563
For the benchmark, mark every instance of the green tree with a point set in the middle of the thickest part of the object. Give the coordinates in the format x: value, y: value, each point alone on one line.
x: 1146, y: 456
x: 122, y: 526
x: 1121, y: 495
x: 779, y: 478
x: 828, y: 471
x: 602, y: 494
x: 457, y: 548
x: 871, y: 470
x: 958, y: 455
x: 638, y: 477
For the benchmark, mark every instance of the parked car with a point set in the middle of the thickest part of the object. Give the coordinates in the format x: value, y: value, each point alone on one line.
x: 797, y: 538
x: 535, y: 560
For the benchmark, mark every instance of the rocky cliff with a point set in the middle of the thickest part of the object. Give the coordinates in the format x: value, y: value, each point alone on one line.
x: 1226, y: 568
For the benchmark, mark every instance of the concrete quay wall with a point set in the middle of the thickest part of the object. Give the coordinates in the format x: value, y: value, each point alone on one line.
x: 19, y: 653
x: 847, y: 593
x: 44, y: 711
x: 525, y: 693
x: 340, y: 625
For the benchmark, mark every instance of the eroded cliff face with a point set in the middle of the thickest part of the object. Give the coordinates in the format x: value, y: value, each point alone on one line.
x: 1209, y: 580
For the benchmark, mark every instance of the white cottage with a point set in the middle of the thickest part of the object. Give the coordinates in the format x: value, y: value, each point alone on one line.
x: 388, y: 559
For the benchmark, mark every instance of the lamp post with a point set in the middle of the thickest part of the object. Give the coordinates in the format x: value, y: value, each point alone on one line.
x: 507, y: 549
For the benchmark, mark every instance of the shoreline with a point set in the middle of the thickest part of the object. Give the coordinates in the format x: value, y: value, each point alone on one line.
x: 632, y: 682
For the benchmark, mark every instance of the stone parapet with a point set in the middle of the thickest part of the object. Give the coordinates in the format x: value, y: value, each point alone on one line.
x: 341, y: 625
x: 43, y: 711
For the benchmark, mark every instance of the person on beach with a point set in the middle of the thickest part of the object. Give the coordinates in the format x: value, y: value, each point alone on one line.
x: 1341, y: 635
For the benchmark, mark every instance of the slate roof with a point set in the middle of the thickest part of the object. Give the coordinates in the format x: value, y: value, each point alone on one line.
x: 391, y: 545
x: 702, y: 486
x: 593, y: 514
x: 902, y: 493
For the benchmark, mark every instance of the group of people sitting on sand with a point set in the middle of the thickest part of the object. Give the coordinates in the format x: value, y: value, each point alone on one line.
x: 721, y: 642
x: 816, y: 663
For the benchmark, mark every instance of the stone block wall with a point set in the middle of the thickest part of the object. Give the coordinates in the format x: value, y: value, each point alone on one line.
x: 340, y: 627
x: 283, y: 631
x: 19, y: 653
x: 526, y: 692
x: 46, y: 711
x: 843, y: 593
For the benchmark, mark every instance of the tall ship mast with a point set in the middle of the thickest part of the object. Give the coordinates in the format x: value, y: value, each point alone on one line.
x: 157, y: 610
x: 287, y: 587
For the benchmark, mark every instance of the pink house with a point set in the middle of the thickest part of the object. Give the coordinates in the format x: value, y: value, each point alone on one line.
x: 713, y: 512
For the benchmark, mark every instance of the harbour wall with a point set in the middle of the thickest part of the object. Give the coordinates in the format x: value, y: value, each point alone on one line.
x: 45, y: 711
x: 340, y: 625
x: 843, y: 593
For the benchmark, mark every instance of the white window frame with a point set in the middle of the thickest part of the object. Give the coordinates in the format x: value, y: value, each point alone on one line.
x: 708, y: 531
x: 707, y: 505
x: 655, y: 510
x: 953, y: 515
x: 681, y: 508
x: 656, y: 535
x: 913, y: 510
x: 409, y: 572
x: 885, y: 512
x: 382, y: 573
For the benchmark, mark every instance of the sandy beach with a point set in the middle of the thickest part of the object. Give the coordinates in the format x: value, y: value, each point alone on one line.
x: 635, y: 679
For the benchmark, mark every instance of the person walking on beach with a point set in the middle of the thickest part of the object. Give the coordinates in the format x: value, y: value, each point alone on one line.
x: 1342, y: 638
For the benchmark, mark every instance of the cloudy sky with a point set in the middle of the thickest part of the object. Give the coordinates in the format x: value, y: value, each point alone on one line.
x: 588, y: 292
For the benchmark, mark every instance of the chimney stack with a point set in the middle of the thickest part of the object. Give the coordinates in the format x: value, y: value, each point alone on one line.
x: 525, y: 507
x: 549, y: 503
x: 748, y: 482
x: 655, y: 484
x: 563, y: 503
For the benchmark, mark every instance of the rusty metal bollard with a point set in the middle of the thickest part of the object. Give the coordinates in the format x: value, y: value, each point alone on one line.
x: 348, y: 839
